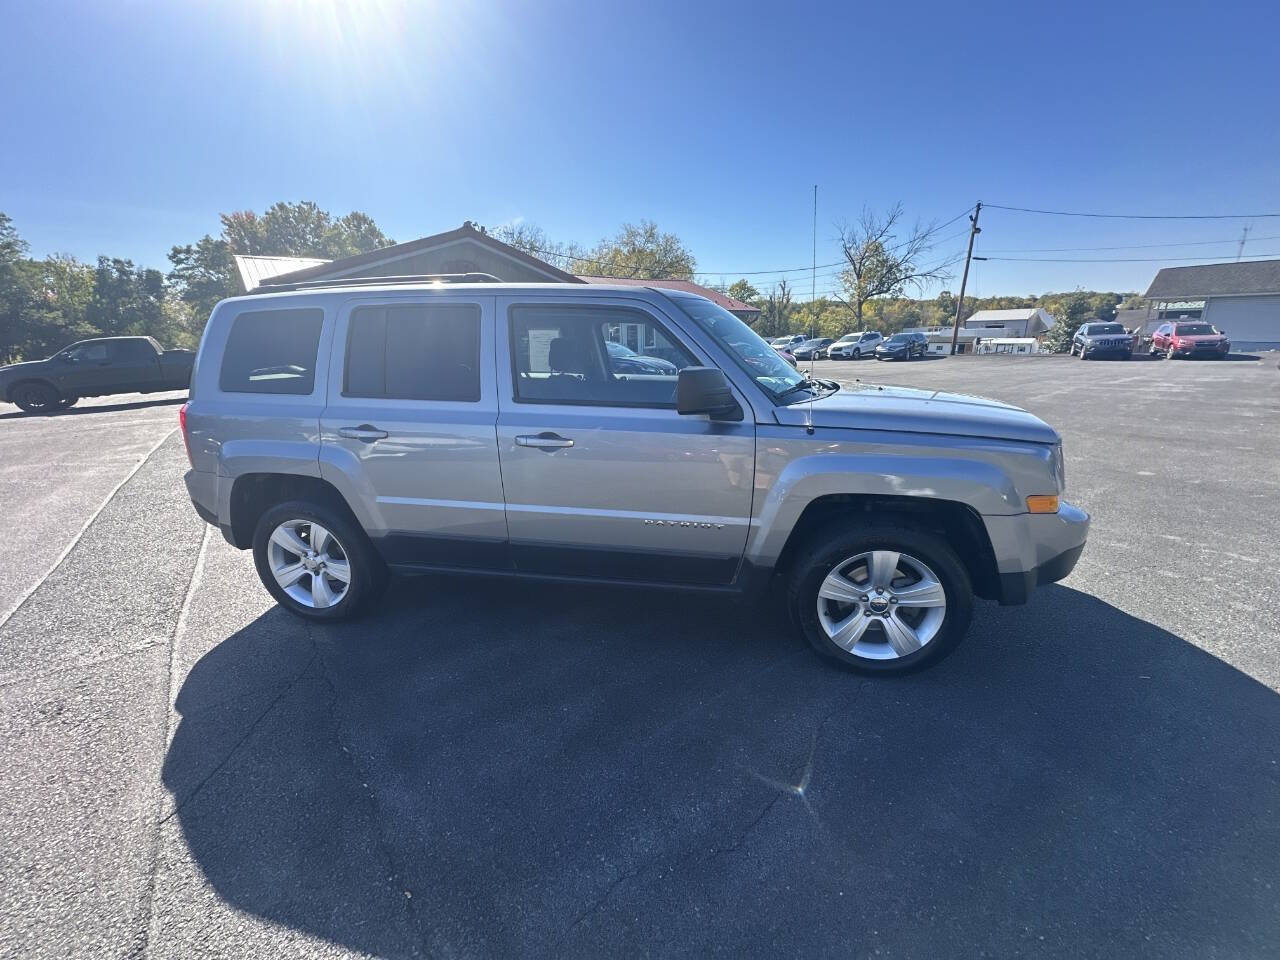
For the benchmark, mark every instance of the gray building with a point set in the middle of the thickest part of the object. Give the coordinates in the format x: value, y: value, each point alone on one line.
x: 1240, y: 299
x: 466, y: 250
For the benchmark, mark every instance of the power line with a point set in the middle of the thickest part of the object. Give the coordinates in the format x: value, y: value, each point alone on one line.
x: 1127, y: 246
x: 1252, y: 256
x: 1138, y: 216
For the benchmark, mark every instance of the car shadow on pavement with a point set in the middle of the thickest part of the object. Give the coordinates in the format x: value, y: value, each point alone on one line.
x: 98, y: 408
x: 495, y: 768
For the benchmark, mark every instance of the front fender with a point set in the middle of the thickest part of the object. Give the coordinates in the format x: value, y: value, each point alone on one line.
x: 985, y: 487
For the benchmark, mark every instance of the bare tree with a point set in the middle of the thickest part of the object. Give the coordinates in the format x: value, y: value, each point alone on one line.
x: 775, y: 312
x: 882, y: 265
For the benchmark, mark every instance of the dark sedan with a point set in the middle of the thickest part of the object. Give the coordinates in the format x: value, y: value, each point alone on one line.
x: 903, y: 346
x: 815, y: 349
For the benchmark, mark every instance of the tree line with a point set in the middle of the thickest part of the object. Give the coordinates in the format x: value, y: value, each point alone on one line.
x: 47, y: 303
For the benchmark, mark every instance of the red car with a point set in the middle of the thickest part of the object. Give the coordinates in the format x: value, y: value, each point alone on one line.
x: 1189, y: 338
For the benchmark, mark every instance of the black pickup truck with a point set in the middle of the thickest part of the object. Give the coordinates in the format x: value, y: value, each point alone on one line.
x: 95, y: 368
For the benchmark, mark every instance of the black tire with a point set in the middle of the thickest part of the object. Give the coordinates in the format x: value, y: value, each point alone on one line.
x: 827, y: 551
x: 857, y: 354
x: 368, y: 572
x: 35, y: 397
x: 67, y: 402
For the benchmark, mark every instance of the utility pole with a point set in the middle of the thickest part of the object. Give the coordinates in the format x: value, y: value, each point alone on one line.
x: 1243, y: 237
x: 964, y: 280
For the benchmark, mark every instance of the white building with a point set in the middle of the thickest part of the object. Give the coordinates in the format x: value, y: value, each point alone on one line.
x: 1022, y: 322
x: 1014, y: 345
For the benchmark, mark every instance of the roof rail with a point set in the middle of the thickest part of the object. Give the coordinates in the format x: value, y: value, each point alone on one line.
x: 378, y: 281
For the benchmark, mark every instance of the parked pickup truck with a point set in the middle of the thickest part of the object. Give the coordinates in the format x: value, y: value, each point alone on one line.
x: 95, y: 368
x: 344, y: 431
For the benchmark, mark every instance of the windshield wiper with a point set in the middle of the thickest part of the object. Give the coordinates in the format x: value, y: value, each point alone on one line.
x: 805, y: 384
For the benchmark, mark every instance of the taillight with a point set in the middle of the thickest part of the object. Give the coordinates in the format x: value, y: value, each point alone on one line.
x: 186, y: 437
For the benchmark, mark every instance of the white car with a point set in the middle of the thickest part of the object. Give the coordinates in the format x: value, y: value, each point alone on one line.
x: 855, y: 346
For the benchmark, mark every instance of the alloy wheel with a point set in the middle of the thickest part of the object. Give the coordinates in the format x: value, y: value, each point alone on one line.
x: 881, y: 605
x: 309, y: 563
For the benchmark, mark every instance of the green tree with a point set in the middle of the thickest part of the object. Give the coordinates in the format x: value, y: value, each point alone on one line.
x: 744, y: 291
x: 204, y: 272
x: 641, y: 250
x: 1071, y: 311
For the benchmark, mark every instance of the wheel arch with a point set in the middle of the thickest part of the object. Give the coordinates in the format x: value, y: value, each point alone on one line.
x: 30, y: 381
x: 957, y: 523
x: 252, y: 494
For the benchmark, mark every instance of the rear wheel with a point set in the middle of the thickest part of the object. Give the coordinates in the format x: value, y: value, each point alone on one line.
x: 67, y: 402
x: 315, y: 562
x: 882, y: 599
x: 35, y: 397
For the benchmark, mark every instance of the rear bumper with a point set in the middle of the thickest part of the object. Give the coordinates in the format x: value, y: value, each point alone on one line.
x: 1035, y: 549
x: 203, y: 489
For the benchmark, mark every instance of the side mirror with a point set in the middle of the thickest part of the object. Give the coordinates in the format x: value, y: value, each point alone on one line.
x: 705, y: 390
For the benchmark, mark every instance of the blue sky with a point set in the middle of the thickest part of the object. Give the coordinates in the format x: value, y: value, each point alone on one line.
x: 131, y: 125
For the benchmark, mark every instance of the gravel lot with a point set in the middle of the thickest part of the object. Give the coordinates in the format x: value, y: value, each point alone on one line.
x: 487, y: 768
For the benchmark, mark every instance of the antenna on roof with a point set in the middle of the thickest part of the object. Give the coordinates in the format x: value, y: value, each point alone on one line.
x: 813, y: 296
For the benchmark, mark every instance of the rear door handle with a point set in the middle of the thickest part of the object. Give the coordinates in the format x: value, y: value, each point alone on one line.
x: 363, y: 432
x: 544, y: 441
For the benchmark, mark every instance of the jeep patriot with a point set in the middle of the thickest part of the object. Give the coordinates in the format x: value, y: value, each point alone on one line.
x: 346, y: 430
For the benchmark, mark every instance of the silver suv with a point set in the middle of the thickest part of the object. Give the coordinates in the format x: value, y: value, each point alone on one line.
x: 343, y: 432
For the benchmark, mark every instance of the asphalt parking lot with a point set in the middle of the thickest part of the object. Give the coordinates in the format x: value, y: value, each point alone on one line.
x: 485, y: 768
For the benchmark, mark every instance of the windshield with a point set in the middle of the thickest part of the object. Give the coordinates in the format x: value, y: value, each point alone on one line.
x: 849, y: 338
x: 1195, y: 330
x: 1099, y: 329
x: 749, y: 351
x: 618, y: 349
x: 899, y: 338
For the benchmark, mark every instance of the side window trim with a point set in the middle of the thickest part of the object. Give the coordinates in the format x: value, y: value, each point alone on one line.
x: 639, y: 308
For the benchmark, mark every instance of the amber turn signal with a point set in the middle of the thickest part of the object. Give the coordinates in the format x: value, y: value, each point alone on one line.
x: 1045, y: 504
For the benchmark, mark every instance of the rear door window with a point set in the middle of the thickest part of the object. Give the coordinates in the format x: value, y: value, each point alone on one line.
x: 414, y: 352
x: 272, y: 351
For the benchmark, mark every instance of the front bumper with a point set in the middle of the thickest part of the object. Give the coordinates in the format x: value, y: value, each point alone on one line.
x: 1035, y: 549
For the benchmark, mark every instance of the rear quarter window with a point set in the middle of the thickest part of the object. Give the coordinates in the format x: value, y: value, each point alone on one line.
x: 272, y: 351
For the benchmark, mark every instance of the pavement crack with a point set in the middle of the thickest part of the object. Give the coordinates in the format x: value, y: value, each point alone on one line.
x: 396, y: 875
x: 239, y: 743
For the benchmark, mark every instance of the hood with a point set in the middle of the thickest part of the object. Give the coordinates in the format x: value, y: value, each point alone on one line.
x: 1200, y: 337
x: 870, y: 407
x: 20, y: 367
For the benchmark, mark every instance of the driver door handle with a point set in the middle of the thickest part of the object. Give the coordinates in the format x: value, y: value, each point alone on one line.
x: 543, y: 441
x: 363, y: 432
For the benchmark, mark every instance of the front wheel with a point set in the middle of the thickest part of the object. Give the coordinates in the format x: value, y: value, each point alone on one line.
x: 35, y: 397
x: 857, y: 354
x: 67, y: 402
x: 882, y: 599
x: 315, y: 562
